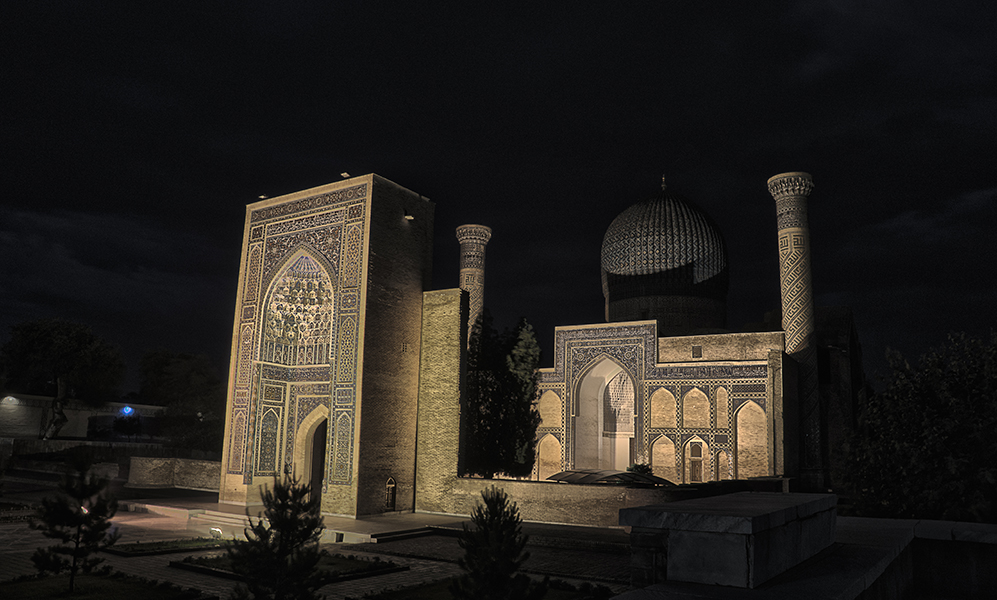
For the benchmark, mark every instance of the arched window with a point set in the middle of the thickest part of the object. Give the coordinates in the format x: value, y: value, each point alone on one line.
x: 389, y: 494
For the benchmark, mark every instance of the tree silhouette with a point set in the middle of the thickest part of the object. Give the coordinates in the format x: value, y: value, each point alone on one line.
x: 61, y: 358
x: 926, y: 447
x: 493, y: 552
x: 79, y: 516
x: 280, y: 555
x: 501, y: 393
x: 193, y: 395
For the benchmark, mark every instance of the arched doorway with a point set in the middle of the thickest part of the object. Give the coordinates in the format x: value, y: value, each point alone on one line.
x: 604, y: 418
x: 316, y: 462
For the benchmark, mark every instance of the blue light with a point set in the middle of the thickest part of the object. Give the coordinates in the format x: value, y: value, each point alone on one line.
x: 127, y: 410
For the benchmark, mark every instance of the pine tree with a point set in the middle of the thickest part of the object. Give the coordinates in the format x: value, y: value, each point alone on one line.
x: 280, y: 556
x: 493, y: 552
x: 79, y: 516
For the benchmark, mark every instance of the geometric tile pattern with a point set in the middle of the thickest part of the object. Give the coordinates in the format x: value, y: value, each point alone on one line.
x: 790, y: 192
x: 634, y: 348
x: 301, y: 281
x: 473, y: 239
x: 662, y: 234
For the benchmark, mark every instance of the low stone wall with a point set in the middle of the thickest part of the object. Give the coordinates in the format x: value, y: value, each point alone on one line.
x: 551, y: 502
x: 183, y: 473
x: 26, y: 416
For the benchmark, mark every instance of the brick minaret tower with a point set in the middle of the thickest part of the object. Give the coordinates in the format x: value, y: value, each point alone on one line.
x: 790, y: 191
x: 473, y: 239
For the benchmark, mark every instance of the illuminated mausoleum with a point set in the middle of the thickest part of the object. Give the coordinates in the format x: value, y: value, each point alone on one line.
x: 348, y: 373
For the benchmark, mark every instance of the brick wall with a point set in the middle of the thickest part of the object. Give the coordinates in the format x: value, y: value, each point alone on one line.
x: 398, y: 266
x: 441, y: 384
x: 174, y: 473
x: 550, y: 502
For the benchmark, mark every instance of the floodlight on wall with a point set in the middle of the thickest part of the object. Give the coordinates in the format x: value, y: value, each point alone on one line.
x: 344, y: 174
x: 409, y: 217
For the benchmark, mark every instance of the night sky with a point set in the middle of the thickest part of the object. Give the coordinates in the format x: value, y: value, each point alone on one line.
x: 136, y: 132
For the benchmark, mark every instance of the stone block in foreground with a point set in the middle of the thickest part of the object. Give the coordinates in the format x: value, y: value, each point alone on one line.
x: 739, y: 540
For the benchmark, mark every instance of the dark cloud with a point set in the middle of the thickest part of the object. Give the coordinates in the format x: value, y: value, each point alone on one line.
x: 140, y: 132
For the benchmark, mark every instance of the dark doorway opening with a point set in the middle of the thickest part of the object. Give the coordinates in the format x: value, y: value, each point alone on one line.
x: 318, y: 458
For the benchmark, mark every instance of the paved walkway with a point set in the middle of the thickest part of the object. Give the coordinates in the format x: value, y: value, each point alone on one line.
x: 429, y: 558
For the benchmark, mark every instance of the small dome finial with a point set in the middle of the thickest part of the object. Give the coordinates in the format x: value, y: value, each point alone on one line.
x: 663, y: 186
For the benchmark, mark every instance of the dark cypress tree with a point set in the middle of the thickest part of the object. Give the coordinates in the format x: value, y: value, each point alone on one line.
x: 280, y: 556
x: 522, y: 362
x: 493, y: 552
x: 79, y: 516
x: 501, y: 414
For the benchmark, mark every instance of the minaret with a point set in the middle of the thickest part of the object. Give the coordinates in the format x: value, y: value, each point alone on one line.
x: 473, y: 239
x: 790, y: 191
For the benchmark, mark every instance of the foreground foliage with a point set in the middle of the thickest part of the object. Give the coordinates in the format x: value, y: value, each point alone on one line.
x: 502, y: 416
x: 79, y: 516
x: 493, y: 552
x: 558, y: 590
x: 927, y: 447
x: 332, y: 566
x: 168, y: 546
x: 93, y: 587
x: 280, y: 555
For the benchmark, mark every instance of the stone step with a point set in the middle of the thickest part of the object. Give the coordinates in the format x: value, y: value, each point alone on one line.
x: 404, y: 534
x: 222, y: 518
x: 166, y: 511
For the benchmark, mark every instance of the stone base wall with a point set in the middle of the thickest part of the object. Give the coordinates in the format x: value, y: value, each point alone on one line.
x: 549, y: 502
x: 26, y: 416
x: 187, y: 474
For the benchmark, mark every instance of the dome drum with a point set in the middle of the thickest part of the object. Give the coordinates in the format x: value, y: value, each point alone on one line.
x: 675, y: 315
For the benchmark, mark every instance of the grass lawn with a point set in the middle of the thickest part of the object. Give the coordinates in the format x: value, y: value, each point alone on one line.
x: 166, y: 547
x: 440, y: 590
x: 94, y: 587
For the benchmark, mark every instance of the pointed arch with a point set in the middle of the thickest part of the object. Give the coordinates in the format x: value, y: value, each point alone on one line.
x: 723, y: 466
x: 549, y: 457
x: 751, y: 433
x: 342, y: 463
x: 663, y: 458
x: 303, y: 440
x: 236, y: 446
x: 663, y: 408
x: 595, y: 447
x: 723, y: 402
x: 695, y: 409
x: 550, y: 408
x: 390, y: 489
x: 696, y: 460
x: 267, y: 453
x: 298, y: 312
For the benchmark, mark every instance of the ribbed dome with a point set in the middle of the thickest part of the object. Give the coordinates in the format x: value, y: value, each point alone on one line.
x: 661, y: 234
x: 665, y: 259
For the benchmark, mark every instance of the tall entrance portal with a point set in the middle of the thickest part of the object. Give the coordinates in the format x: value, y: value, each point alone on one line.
x: 604, y: 422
